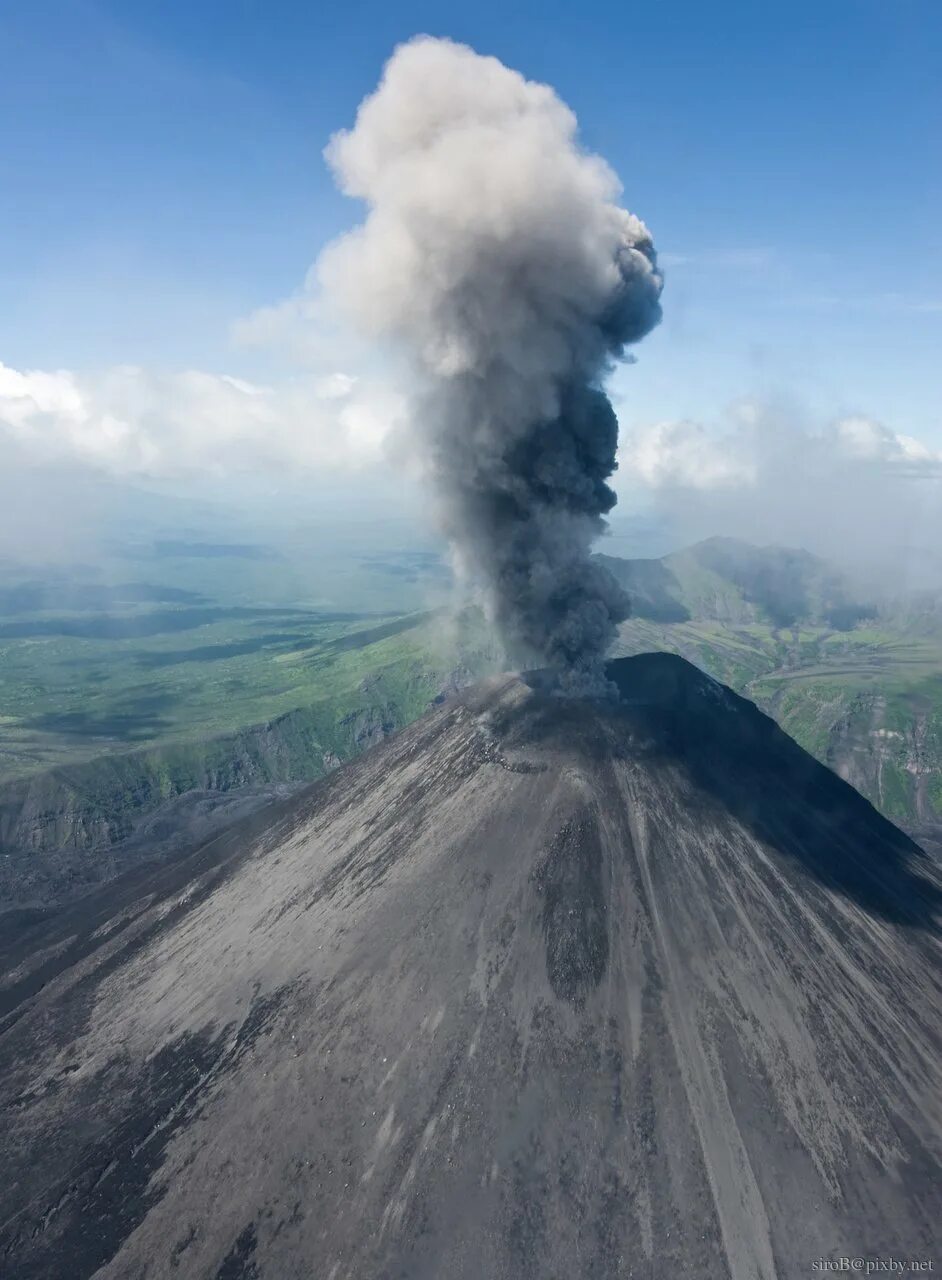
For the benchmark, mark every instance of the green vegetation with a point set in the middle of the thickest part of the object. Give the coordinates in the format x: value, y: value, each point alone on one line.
x: 188, y: 639
x: 116, y: 700
x: 219, y: 709
x: 67, y: 698
x: 858, y: 685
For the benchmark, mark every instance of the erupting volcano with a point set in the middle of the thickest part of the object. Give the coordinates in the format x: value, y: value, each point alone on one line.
x: 539, y: 987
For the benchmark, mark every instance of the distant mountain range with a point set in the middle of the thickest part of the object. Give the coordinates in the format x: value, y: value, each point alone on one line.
x: 726, y: 580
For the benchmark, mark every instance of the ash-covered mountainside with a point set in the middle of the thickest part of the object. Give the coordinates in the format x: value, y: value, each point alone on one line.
x: 538, y: 988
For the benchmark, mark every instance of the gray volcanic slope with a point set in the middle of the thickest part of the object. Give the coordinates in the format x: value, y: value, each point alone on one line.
x: 535, y: 989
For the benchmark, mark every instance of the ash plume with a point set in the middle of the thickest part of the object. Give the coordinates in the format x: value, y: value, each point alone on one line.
x: 495, y: 256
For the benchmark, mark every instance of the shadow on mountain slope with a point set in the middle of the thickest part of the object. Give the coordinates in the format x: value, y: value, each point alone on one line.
x: 743, y: 766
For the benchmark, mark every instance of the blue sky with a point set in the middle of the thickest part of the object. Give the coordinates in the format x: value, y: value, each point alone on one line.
x: 161, y: 177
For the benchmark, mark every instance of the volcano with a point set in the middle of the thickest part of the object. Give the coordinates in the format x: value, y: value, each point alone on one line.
x: 538, y: 988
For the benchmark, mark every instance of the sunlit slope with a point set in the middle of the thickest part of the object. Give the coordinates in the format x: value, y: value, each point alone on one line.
x: 538, y: 987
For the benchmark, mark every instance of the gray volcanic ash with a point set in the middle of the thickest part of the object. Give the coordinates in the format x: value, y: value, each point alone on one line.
x: 537, y: 988
x: 495, y: 257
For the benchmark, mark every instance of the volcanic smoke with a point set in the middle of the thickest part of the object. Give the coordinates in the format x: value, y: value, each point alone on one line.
x: 494, y: 255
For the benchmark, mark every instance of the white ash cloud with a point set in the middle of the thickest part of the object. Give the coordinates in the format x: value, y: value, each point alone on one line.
x: 495, y: 257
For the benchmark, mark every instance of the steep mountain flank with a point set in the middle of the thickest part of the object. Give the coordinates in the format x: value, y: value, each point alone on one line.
x: 535, y: 988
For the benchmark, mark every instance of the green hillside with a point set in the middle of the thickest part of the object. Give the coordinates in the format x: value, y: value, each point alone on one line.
x: 141, y: 732
x: 120, y: 707
x: 857, y: 683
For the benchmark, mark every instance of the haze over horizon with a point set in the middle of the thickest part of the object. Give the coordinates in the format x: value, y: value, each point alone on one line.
x: 160, y: 329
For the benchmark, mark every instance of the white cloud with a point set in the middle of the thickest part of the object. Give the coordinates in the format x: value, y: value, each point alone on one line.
x: 130, y: 420
x: 863, y: 438
x: 291, y: 323
x: 336, y: 386
x: 683, y: 453
x: 303, y: 329
x: 852, y: 488
x: 755, y: 446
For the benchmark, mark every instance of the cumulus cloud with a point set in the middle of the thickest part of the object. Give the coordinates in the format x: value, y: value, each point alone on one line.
x: 132, y: 421
x: 852, y: 488
x: 300, y: 327
x: 684, y: 454
x: 863, y: 439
